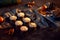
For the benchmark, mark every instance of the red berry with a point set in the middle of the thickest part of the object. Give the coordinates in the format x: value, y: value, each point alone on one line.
x: 1, y: 19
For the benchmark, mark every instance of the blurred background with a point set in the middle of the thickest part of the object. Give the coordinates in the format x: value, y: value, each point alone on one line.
x: 39, y: 2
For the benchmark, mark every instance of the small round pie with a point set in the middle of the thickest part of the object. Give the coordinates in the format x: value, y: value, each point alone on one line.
x: 21, y: 14
x: 13, y: 17
x: 26, y: 19
x: 32, y: 25
x: 24, y: 28
x: 18, y: 23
